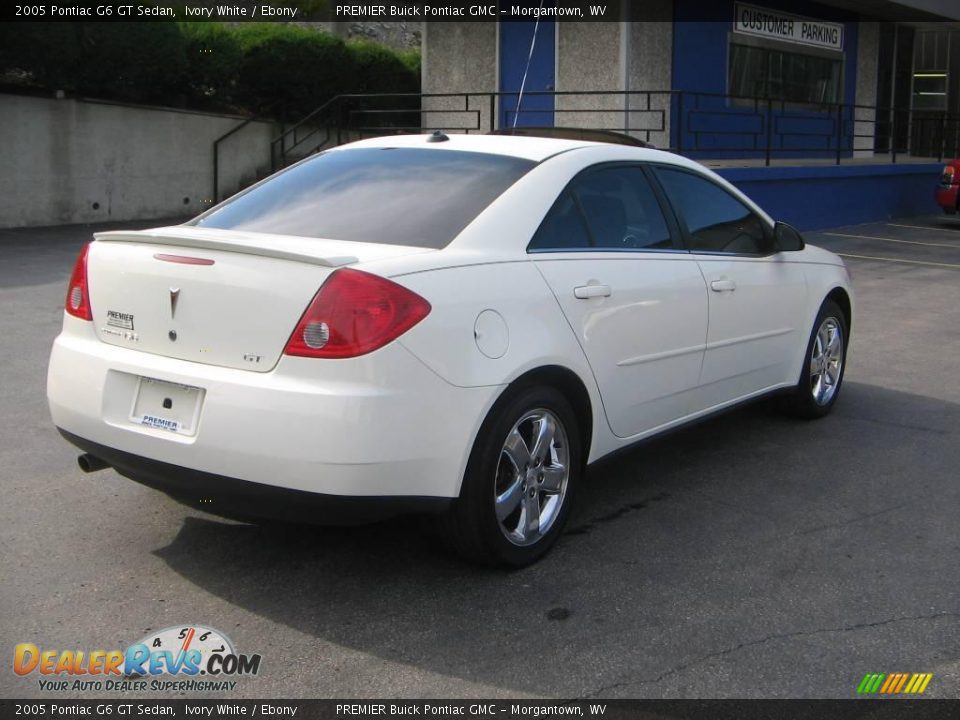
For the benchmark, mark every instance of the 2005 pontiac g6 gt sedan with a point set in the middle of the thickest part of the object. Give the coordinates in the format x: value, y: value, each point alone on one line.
x: 454, y: 325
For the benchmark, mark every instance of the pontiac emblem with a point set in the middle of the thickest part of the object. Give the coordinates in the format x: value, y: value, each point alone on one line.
x: 174, y: 297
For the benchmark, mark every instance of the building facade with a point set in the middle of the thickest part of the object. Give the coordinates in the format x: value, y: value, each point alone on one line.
x: 826, y: 113
x: 802, y: 77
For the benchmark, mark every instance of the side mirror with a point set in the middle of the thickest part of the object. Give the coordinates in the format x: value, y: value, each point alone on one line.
x: 787, y: 237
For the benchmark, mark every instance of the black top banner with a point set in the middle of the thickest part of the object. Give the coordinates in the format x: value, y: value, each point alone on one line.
x: 403, y: 10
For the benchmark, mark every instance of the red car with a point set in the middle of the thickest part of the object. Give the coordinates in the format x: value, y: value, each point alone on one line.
x: 949, y: 187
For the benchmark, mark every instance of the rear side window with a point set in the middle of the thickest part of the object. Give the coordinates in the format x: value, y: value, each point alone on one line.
x: 397, y: 196
x: 564, y: 227
x: 716, y: 220
x: 610, y: 208
x: 622, y: 210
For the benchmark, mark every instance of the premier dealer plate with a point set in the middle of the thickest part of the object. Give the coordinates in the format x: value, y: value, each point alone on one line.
x: 167, y: 406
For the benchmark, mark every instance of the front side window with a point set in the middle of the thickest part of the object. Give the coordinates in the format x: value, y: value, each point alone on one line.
x: 716, y: 221
x: 610, y: 208
x: 396, y: 196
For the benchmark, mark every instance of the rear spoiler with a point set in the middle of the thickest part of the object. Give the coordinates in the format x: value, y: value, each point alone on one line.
x: 283, y: 247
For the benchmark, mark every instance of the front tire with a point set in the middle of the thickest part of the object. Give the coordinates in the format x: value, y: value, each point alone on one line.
x: 824, y: 364
x: 519, y: 482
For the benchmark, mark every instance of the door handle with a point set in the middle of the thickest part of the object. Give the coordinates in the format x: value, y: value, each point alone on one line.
x: 585, y: 292
x: 723, y: 285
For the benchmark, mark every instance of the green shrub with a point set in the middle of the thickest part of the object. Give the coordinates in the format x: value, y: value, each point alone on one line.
x: 137, y: 61
x: 291, y: 68
x: 411, y: 58
x: 271, y: 68
x: 213, y: 61
x: 380, y: 69
x: 48, y: 53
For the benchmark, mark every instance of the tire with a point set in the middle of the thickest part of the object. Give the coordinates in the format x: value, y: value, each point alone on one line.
x: 492, y: 520
x: 821, y: 376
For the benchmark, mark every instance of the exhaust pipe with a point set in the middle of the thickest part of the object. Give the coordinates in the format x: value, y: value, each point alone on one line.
x: 90, y: 463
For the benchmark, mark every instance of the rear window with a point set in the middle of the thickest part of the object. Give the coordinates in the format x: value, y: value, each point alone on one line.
x: 397, y: 196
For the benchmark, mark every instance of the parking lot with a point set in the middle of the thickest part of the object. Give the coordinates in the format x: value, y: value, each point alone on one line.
x: 750, y: 556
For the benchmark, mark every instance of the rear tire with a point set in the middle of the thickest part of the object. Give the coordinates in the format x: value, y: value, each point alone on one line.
x: 520, y: 480
x: 824, y: 364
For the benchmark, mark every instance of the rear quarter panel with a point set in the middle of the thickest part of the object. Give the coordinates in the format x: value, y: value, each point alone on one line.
x: 449, y: 340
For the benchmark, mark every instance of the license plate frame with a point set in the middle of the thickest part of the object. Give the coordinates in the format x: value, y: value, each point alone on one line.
x: 149, y: 407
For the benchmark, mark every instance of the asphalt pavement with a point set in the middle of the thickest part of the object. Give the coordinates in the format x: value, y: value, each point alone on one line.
x: 750, y: 556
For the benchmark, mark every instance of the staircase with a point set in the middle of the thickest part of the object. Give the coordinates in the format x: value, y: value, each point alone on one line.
x: 346, y: 118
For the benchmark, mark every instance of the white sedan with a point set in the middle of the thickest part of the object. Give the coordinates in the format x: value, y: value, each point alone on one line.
x: 453, y: 325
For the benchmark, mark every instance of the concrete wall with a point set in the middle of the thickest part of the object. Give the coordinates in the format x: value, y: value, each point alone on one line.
x: 71, y: 161
x: 589, y: 57
x: 458, y: 57
x: 649, y: 54
x: 463, y: 57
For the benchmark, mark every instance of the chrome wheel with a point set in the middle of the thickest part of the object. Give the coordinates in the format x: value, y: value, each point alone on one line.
x: 826, y: 361
x: 532, y: 477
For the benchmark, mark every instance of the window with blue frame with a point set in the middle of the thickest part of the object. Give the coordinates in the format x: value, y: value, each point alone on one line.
x: 766, y: 72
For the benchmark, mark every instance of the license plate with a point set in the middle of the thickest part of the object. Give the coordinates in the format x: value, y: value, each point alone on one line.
x: 167, y: 406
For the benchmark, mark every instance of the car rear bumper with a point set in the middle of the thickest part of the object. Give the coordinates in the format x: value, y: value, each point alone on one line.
x: 244, y: 500
x: 382, y: 425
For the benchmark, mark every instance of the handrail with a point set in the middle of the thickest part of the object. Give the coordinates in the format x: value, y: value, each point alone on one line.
x: 216, y: 155
x: 235, y: 129
x: 281, y: 138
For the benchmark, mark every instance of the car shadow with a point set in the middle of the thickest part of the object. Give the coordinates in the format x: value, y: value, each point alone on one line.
x: 945, y: 222
x: 688, y: 545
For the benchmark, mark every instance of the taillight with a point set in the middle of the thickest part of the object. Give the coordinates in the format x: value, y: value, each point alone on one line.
x: 354, y: 313
x: 949, y: 176
x: 78, y: 294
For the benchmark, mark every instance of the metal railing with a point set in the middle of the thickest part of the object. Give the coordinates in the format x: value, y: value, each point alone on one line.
x: 725, y: 126
x: 700, y: 125
x: 265, y: 115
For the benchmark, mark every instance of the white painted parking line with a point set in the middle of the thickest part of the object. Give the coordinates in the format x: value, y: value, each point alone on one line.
x: 917, y: 227
x: 893, y: 240
x: 899, y: 260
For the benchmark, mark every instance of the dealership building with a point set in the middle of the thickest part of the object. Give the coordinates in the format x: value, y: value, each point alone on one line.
x: 795, y: 101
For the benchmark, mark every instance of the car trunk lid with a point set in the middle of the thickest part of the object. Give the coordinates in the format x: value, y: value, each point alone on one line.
x: 213, y: 296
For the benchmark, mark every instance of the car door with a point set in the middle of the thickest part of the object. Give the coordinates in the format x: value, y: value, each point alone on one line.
x: 635, y: 299
x: 756, y: 295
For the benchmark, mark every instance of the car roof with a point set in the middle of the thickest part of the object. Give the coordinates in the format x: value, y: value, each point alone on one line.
x: 574, y: 133
x: 530, y: 148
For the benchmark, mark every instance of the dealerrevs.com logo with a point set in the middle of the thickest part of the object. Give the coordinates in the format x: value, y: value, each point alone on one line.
x: 179, y: 658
